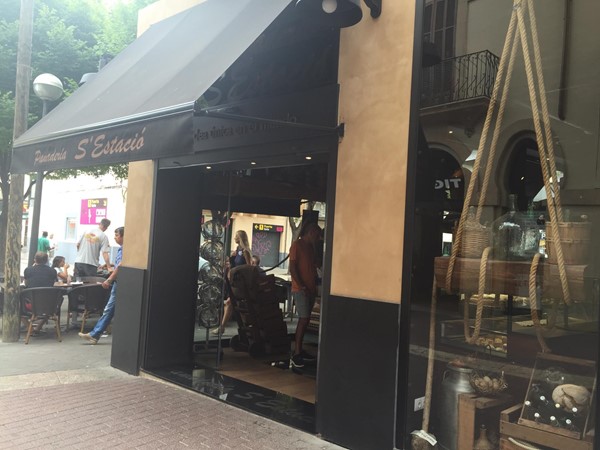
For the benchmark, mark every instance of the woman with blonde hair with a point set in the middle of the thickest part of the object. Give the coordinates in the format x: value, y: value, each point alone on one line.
x: 240, y: 256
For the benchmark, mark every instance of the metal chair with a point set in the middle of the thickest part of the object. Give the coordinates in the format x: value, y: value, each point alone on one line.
x: 45, y: 304
x: 93, y: 297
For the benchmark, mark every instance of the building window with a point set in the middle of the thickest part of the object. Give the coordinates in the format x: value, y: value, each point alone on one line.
x: 439, y: 25
x: 71, y: 228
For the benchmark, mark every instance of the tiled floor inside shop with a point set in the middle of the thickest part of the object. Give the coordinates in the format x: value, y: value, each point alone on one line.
x: 264, y: 385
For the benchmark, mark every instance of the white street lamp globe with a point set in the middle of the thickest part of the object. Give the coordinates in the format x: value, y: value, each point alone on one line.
x: 329, y: 6
x: 47, y: 87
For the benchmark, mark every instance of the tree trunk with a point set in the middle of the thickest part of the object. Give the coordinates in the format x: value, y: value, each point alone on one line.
x: 12, y: 269
x: 3, y: 223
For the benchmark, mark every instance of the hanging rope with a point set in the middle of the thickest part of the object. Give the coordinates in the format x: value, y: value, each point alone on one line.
x: 542, y: 128
x: 545, y: 155
x: 430, y: 358
x: 479, y: 311
x: 543, y: 101
x: 482, y: 143
x: 512, y: 41
x: 533, y: 303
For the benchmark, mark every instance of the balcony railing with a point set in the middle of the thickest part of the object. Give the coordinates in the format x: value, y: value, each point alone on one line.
x: 460, y: 78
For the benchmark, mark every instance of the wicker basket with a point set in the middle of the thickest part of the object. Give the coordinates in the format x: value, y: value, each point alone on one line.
x: 475, y: 239
x: 488, y: 384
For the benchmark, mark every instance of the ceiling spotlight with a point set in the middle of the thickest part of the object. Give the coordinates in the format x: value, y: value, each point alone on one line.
x: 253, y: 163
x: 450, y: 132
x: 208, y: 167
x: 308, y: 157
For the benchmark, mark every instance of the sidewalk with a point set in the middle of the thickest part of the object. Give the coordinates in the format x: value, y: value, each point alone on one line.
x: 65, y: 395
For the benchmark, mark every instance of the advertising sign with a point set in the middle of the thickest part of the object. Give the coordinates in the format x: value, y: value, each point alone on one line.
x: 93, y: 210
x: 265, y: 243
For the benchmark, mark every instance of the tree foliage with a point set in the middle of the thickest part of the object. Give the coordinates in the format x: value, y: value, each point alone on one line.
x: 69, y: 37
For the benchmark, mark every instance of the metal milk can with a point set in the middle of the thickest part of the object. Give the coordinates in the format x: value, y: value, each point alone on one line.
x: 455, y: 382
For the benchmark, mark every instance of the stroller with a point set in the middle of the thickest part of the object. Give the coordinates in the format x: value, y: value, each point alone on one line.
x: 261, y: 329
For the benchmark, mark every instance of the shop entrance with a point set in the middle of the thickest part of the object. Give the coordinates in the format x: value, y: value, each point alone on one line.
x: 244, y: 359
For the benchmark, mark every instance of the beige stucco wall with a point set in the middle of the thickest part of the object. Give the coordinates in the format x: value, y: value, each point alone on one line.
x: 138, y: 215
x: 375, y: 78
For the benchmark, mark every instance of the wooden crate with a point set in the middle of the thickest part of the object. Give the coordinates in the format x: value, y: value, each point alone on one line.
x: 574, y: 368
x: 468, y: 407
x: 509, y: 428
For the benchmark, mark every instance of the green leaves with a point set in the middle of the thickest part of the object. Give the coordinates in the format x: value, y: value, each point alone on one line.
x: 69, y: 37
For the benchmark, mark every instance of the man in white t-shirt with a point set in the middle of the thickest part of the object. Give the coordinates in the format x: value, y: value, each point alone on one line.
x: 90, y: 246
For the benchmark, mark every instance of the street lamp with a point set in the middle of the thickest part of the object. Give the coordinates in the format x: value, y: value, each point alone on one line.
x: 47, y: 88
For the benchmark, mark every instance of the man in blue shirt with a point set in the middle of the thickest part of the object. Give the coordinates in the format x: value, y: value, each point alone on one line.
x: 109, y: 311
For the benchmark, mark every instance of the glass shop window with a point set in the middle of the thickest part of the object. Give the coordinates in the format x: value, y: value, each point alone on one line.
x: 504, y: 334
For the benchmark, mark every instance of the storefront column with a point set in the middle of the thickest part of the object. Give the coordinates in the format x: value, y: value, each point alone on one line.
x: 127, y: 324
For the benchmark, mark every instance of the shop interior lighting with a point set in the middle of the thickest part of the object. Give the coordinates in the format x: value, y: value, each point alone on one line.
x: 308, y: 157
x: 208, y: 167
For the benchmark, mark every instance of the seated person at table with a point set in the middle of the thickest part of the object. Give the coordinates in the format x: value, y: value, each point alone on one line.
x: 255, y: 260
x: 40, y: 274
x: 62, y: 269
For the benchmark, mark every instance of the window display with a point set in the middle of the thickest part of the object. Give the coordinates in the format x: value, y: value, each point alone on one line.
x: 518, y: 295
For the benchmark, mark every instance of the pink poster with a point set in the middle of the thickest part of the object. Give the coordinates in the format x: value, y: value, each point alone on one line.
x: 93, y: 210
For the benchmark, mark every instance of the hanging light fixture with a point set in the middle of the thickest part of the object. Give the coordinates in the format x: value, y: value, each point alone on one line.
x: 335, y: 13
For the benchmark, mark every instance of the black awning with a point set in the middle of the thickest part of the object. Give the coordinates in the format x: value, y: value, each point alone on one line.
x: 140, y: 106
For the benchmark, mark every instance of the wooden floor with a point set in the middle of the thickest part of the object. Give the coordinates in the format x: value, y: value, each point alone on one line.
x: 241, y: 366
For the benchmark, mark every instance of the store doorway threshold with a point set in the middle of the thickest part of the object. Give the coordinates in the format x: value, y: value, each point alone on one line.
x: 274, y: 405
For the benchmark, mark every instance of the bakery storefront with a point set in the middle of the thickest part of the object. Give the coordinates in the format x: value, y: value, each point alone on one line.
x: 449, y: 150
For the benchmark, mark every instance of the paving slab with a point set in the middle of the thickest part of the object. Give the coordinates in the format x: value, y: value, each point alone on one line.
x: 65, y: 395
x: 135, y: 413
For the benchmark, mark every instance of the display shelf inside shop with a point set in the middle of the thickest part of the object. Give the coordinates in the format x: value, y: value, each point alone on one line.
x: 512, y: 277
x: 512, y: 336
x: 493, y: 338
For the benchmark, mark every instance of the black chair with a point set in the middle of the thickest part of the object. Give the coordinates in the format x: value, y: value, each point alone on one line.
x: 45, y: 303
x: 90, y: 298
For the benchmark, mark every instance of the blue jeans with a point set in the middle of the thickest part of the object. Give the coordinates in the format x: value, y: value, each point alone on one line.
x: 107, y: 314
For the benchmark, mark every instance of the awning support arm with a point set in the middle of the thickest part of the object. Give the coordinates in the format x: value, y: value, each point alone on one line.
x: 339, y: 130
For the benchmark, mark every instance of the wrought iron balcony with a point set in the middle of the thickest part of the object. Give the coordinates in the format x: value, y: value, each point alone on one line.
x: 459, y: 79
